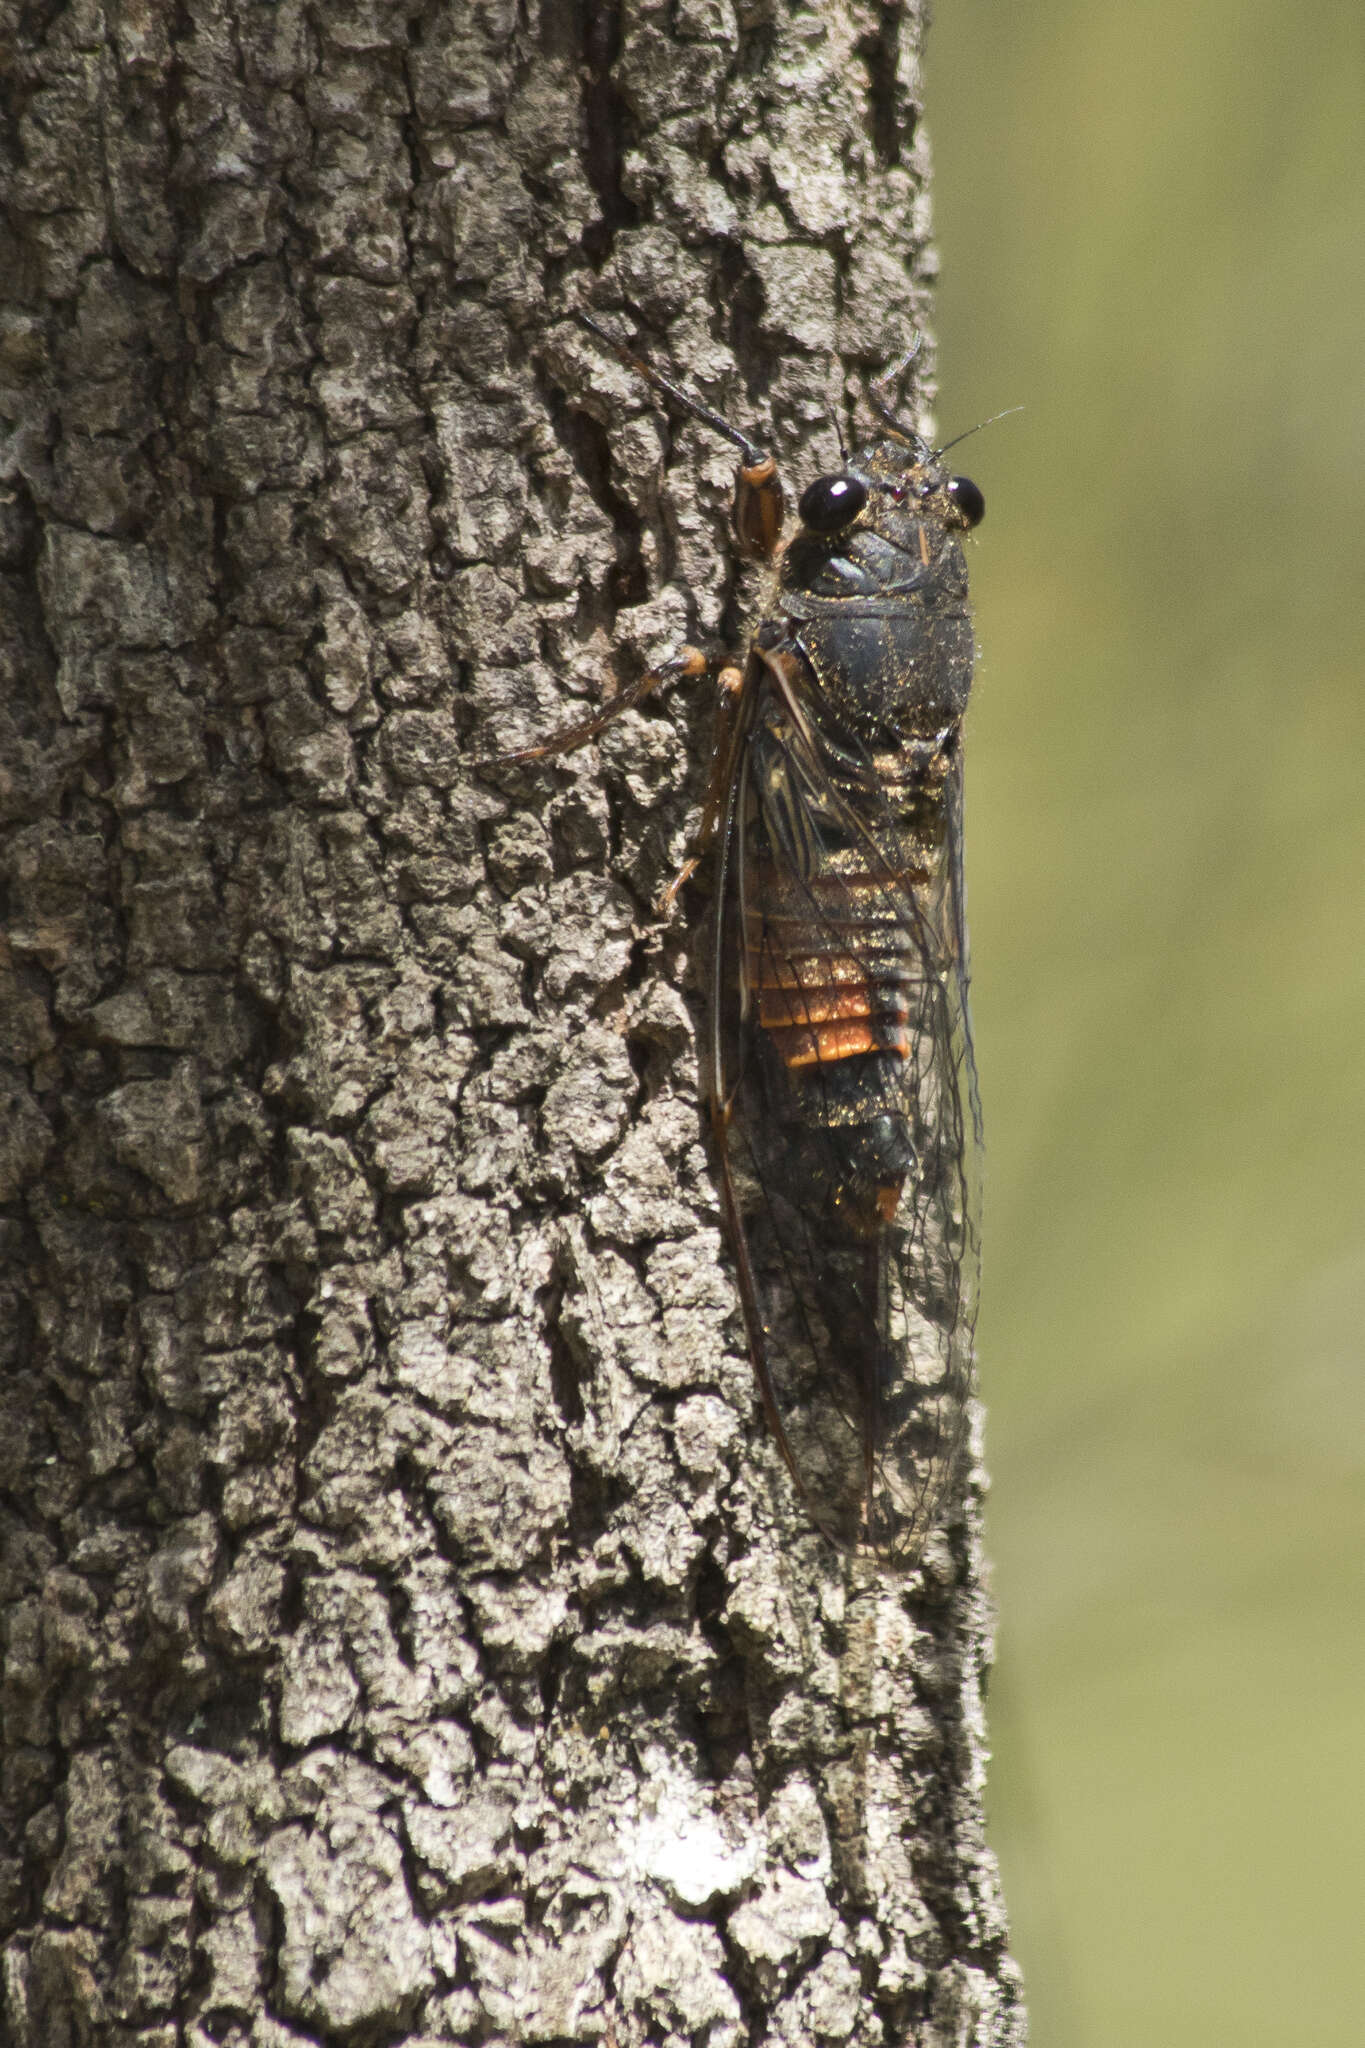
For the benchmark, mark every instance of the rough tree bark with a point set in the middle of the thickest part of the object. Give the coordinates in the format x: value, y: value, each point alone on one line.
x: 410, y: 1633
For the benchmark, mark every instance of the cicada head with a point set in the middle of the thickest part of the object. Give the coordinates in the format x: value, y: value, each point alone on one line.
x: 891, y: 485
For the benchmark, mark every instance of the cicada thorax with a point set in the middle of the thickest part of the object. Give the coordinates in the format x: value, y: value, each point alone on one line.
x: 879, y: 612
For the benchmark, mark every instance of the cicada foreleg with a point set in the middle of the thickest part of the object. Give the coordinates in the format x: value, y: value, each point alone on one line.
x: 759, y: 504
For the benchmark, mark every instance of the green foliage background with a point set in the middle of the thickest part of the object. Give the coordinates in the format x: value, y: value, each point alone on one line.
x: 1153, y: 224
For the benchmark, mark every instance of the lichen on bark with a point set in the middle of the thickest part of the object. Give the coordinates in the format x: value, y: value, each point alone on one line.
x: 410, y: 1633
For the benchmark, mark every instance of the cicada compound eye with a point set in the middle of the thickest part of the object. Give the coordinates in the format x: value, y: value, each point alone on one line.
x: 830, y: 502
x: 968, y: 498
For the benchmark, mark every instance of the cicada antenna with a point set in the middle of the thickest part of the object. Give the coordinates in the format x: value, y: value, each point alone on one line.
x: 887, y: 382
x: 834, y: 419
x: 753, y: 454
x: 967, y: 432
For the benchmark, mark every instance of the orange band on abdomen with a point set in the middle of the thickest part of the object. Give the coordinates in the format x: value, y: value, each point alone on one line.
x: 778, y: 1007
x: 801, y: 1045
x: 817, y: 1011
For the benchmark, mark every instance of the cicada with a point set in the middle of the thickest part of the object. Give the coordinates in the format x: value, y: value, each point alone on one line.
x: 838, y: 1066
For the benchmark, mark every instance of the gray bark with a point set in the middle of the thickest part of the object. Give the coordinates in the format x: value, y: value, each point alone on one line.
x: 410, y: 1631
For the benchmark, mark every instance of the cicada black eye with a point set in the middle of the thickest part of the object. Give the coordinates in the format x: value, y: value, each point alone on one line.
x: 830, y: 502
x: 968, y: 498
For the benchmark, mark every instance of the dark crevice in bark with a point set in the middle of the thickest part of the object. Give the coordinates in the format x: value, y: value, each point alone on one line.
x: 315, y: 1398
x: 740, y: 291
x: 551, y: 1677
x: 589, y: 448
x: 566, y: 1377
x: 604, y: 122
x: 756, y: 43
x: 880, y: 53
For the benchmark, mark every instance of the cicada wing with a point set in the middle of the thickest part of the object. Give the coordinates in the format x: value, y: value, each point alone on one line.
x: 931, y: 1275
x: 861, y: 1330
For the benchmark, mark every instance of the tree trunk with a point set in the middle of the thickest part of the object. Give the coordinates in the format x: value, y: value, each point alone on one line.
x: 411, y: 1632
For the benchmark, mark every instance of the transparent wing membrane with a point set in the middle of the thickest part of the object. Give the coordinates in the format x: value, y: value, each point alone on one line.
x: 844, y: 1052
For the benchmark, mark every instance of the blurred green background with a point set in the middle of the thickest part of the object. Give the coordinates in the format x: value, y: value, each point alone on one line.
x: 1152, y: 219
